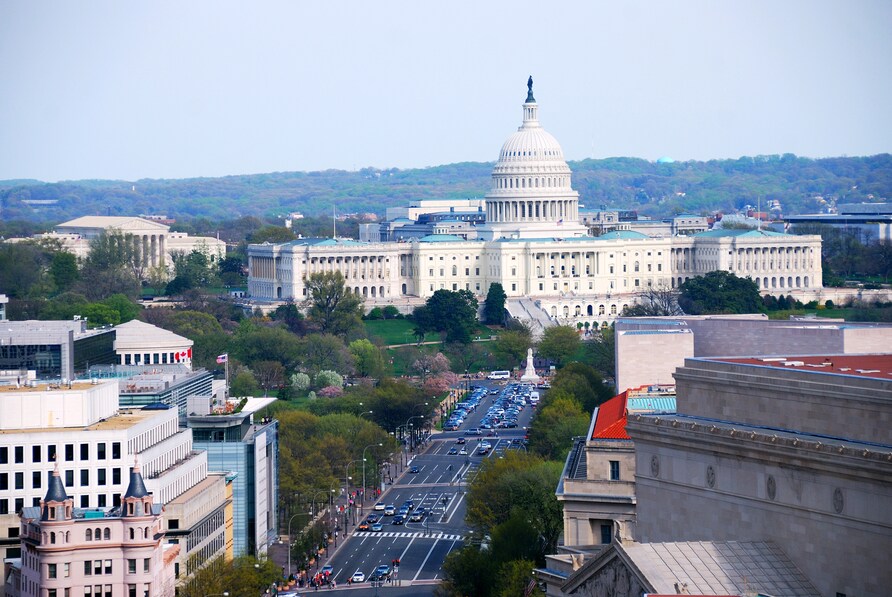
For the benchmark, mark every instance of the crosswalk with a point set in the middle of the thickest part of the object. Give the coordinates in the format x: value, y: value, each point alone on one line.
x: 409, y: 535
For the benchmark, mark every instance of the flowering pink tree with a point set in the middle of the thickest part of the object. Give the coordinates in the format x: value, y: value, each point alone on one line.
x: 330, y: 392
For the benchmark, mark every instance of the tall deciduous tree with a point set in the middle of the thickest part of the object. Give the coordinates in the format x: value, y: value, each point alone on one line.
x: 494, y: 306
x: 453, y: 313
x: 655, y: 301
x: 331, y: 307
x: 367, y: 358
x: 559, y: 343
x: 719, y: 292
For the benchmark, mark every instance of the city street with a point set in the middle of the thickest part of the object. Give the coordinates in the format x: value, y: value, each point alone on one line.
x: 439, y: 487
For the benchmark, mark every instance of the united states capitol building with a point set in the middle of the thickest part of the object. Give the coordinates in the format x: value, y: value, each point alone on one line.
x: 527, y: 235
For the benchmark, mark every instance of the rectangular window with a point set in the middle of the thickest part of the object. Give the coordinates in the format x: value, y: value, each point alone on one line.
x: 88, y: 591
x: 100, y: 476
x: 69, y: 452
x: 51, y: 592
x: 19, y: 454
x: 146, y: 564
x: 85, y: 451
x: 85, y: 477
x: 66, y: 570
x: 20, y: 480
x: 85, y: 501
x: 606, y: 533
x: 51, y: 571
x: 4, y: 481
x: 108, y: 566
x: 131, y: 590
x: 35, y: 479
x: 19, y: 504
x: 103, y: 500
x: 100, y: 450
x: 108, y: 591
x: 131, y: 566
x: 51, y: 453
x: 476, y: 271
x: 614, y: 470
x: 88, y: 568
x: 4, y: 455
x: 69, y: 478
x: 35, y: 453
x: 13, y: 532
x: 116, y: 476
x: 116, y: 449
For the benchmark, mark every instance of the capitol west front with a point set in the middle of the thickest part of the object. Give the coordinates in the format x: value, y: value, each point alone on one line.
x: 534, y: 245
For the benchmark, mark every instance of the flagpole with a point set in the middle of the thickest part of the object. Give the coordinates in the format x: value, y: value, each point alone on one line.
x: 226, y: 374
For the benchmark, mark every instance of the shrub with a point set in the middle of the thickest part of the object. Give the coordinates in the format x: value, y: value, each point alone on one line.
x: 300, y: 381
x: 328, y: 378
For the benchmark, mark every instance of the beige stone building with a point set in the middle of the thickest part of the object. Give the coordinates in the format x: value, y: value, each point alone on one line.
x: 793, y: 450
x: 784, y: 459
x: 649, y: 349
x: 597, y: 488
x: 153, y: 241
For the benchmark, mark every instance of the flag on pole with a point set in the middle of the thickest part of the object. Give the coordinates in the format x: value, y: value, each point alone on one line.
x: 560, y: 222
x: 223, y: 358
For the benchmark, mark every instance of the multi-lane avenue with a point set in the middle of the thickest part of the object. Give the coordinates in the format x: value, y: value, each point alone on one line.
x: 434, y: 479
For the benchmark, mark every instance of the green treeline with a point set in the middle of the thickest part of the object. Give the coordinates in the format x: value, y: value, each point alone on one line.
x: 655, y: 189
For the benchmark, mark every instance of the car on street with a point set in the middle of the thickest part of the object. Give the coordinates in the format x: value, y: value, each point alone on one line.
x: 473, y: 431
x: 482, y: 451
x: 453, y: 451
x: 327, y: 569
x: 413, y: 470
x: 364, y: 526
x: 460, y: 440
x: 377, y: 527
x: 418, y: 515
x: 398, y: 519
x: 382, y: 572
x: 379, y: 506
x: 358, y: 576
x: 463, y: 452
x: 389, y: 510
x: 372, y: 518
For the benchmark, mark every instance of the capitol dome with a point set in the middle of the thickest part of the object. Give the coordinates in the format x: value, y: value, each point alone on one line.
x: 531, y: 194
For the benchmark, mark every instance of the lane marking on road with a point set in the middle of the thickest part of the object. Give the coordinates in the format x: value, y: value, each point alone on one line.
x: 404, y: 535
x: 455, y: 505
x: 426, y: 558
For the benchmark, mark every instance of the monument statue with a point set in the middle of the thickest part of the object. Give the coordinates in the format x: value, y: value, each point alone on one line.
x: 530, y: 98
x: 530, y: 374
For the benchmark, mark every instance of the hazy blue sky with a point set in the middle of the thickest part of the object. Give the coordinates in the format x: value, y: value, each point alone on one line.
x: 129, y: 90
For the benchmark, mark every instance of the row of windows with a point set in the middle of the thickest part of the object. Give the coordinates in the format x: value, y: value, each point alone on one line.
x: 37, y: 478
x: 156, y: 358
x: 523, y: 183
x: 18, y: 452
x: 19, y: 503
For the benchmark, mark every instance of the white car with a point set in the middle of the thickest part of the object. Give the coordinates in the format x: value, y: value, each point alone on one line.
x: 463, y: 452
x: 379, y: 506
x: 358, y: 576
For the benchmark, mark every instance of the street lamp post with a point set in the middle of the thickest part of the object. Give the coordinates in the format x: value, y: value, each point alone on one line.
x: 347, y: 488
x: 362, y: 495
x: 411, y: 446
x: 289, y: 544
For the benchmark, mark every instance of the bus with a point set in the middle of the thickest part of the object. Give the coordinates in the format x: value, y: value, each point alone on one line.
x: 499, y: 375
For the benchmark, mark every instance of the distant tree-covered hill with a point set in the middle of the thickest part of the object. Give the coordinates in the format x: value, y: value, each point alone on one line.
x: 801, y: 185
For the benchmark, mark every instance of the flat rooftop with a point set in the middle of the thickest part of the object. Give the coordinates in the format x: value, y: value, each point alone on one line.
x: 44, y: 386
x: 125, y: 419
x: 872, y: 366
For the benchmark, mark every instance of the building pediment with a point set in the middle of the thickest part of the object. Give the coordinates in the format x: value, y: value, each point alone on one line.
x: 125, y: 224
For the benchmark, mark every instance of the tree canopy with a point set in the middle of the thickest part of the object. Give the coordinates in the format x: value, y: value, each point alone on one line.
x: 494, y: 306
x: 719, y: 292
x: 452, y: 313
x: 559, y: 343
x: 332, y: 309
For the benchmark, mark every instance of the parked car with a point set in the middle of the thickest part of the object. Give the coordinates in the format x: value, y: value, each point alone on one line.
x: 453, y: 451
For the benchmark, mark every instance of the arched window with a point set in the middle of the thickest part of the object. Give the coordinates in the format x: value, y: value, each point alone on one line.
x: 613, y: 309
x: 97, y: 534
x: 132, y: 533
x: 637, y: 267
x: 52, y: 537
x: 601, y: 309
x: 106, y: 533
x: 89, y: 535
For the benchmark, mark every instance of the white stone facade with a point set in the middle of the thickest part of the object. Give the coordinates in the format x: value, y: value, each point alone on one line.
x: 534, y: 245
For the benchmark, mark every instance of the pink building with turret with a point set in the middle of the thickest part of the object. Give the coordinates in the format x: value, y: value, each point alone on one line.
x: 74, y: 552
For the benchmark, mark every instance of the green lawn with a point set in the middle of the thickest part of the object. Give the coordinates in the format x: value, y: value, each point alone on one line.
x: 390, y: 331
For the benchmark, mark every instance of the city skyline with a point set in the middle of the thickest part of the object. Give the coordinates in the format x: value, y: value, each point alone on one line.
x: 169, y: 91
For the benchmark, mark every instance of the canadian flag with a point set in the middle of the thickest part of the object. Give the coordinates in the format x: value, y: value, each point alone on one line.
x: 186, y: 354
